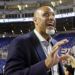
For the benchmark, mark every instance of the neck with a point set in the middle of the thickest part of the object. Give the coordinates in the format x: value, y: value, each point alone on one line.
x: 46, y: 36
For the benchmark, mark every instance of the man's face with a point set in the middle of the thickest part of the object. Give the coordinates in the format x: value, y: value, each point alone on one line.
x: 45, y: 20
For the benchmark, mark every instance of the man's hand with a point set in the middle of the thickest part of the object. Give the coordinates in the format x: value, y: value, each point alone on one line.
x: 53, y: 57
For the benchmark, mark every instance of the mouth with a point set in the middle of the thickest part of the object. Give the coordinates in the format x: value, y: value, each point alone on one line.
x: 50, y: 26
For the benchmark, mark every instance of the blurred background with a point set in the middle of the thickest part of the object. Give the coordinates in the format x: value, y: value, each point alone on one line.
x: 16, y: 18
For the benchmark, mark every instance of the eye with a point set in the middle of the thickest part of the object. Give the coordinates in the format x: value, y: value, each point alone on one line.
x: 53, y: 14
x: 46, y: 15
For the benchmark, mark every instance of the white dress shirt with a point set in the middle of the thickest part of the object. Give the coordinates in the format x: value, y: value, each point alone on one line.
x: 47, y: 47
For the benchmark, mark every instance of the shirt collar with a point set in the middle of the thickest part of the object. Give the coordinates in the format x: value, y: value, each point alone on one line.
x: 40, y: 37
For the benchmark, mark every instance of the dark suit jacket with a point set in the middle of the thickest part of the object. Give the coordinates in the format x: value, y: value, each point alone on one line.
x: 26, y: 57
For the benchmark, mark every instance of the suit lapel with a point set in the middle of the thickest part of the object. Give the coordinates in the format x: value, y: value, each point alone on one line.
x: 38, y: 48
x: 40, y: 52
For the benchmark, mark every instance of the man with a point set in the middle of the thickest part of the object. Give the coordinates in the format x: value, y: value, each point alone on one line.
x: 32, y: 53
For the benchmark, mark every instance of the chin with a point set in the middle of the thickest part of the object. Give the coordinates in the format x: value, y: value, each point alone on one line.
x: 50, y: 32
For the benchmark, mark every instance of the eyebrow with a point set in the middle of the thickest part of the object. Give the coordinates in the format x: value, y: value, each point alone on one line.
x: 47, y: 13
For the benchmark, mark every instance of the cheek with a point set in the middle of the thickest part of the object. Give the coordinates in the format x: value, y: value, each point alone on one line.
x: 42, y: 27
x: 42, y: 23
x: 42, y: 20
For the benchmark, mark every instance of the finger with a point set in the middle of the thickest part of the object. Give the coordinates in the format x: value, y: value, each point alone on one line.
x: 58, y: 45
x: 62, y: 42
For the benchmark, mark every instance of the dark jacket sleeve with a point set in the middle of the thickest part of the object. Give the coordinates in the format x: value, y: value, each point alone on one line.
x: 19, y: 60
